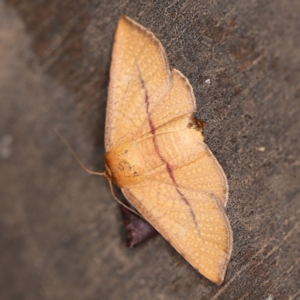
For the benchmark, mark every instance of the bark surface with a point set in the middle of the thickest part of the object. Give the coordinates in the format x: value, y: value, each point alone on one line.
x: 61, y: 231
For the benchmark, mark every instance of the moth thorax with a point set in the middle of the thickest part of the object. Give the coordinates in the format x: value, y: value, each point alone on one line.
x: 120, y: 169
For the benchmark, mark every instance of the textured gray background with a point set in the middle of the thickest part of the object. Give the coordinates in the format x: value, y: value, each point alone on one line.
x: 61, y: 234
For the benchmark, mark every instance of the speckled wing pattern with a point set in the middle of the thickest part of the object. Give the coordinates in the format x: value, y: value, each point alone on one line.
x: 182, y: 190
x: 136, y: 53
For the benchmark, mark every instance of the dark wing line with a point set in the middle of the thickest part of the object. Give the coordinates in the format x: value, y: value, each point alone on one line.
x: 168, y: 166
x: 167, y: 69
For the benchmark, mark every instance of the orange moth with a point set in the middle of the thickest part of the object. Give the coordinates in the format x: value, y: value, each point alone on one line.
x: 155, y: 152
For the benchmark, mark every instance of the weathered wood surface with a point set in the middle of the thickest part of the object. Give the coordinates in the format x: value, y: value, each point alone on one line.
x: 61, y: 231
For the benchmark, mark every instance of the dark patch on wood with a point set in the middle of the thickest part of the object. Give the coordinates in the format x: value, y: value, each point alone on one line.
x: 138, y: 230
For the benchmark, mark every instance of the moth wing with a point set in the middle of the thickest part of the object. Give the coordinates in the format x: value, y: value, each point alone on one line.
x: 194, y: 222
x: 176, y: 108
x: 139, y: 77
x: 179, y: 142
x: 194, y: 167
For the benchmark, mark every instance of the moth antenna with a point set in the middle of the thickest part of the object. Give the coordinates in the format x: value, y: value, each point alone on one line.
x: 76, y: 157
x: 120, y: 202
x: 95, y: 173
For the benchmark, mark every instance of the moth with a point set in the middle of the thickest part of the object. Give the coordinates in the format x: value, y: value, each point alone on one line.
x: 155, y: 152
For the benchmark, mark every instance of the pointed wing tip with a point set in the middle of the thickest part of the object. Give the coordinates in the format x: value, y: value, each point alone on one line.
x: 124, y: 18
x: 127, y: 20
x: 219, y: 275
x: 222, y: 273
x: 223, y: 267
x: 130, y: 25
x: 220, y: 281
